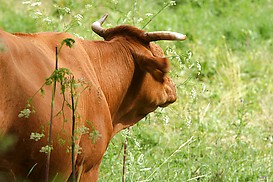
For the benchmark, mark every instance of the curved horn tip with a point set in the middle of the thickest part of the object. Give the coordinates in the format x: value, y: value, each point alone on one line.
x: 96, y: 26
x: 103, y: 18
x: 164, y: 35
x: 180, y: 36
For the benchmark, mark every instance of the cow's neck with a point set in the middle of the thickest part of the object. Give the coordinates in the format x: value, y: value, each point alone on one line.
x: 114, y: 67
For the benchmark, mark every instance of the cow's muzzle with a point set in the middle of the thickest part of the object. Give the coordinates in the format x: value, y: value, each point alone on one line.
x: 170, y: 90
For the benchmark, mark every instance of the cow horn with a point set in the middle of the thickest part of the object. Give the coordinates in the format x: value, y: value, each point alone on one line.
x: 164, y: 35
x: 96, y: 26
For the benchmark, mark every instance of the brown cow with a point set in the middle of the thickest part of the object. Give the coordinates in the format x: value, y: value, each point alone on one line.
x: 126, y: 77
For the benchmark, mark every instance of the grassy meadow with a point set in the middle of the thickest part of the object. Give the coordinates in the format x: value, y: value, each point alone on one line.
x: 221, y: 127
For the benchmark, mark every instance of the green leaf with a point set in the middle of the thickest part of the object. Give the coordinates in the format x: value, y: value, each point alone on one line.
x: 42, y: 91
x: 68, y: 42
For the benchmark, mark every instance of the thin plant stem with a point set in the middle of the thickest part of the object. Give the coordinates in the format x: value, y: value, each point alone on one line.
x: 124, y: 157
x: 51, y: 122
x: 73, y: 131
x: 134, y: 12
x: 164, y: 7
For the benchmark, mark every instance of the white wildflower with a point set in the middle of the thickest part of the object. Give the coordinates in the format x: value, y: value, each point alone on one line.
x: 26, y: 2
x: 46, y: 149
x: 36, y: 4
x: 36, y: 136
x: 193, y: 94
x: 149, y: 14
x: 38, y: 13
x: 199, y: 67
x: 167, y: 120
x: 189, y: 55
x: 78, y: 17
x: 139, y: 20
x: 24, y: 113
x: 77, y: 149
x: 88, y: 6
x: 172, y: 3
x: 47, y: 20
x: 67, y: 10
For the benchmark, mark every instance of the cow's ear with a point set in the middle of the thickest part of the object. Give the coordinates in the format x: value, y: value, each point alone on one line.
x: 156, y: 66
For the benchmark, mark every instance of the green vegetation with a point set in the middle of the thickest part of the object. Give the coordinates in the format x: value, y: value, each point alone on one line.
x: 221, y: 127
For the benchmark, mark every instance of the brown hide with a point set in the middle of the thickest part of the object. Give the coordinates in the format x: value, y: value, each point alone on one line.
x: 126, y: 78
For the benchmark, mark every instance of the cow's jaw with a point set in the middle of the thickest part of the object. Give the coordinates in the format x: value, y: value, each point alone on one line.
x: 170, y: 92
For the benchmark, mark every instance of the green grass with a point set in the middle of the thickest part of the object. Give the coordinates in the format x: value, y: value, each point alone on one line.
x: 223, y: 73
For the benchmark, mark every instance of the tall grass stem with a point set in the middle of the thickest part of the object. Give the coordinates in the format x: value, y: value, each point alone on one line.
x: 166, y: 160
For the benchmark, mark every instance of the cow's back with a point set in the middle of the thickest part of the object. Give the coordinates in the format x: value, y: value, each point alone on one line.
x: 26, y: 60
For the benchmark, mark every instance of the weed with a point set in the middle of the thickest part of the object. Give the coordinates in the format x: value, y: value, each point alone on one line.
x: 65, y: 78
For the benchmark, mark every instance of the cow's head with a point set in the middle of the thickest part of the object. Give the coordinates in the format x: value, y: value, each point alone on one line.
x: 151, y: 87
